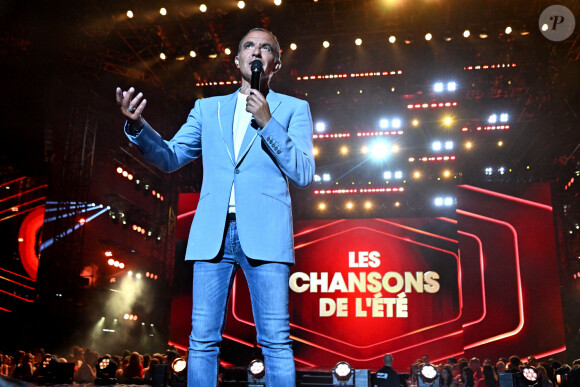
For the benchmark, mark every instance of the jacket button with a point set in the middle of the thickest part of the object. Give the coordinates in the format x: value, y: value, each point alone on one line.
x: 278, y: 151
x: 237, y: 171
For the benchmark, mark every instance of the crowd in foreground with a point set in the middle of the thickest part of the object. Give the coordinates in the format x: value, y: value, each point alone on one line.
x: 136, y: 368
x: 132, y: 367
x: 475, y: 373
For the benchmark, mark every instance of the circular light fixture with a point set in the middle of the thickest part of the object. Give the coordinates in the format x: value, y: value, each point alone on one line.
x: 256, y: 369
x: 179, y: 365
x: 530, y: 375
x: 342, y: 371
x: 428, y: 373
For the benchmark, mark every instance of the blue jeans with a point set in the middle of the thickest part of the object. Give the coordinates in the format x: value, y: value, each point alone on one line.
x: 268, y: 284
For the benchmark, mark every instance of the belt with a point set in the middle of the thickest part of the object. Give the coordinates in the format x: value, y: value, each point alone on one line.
x: 231, y: 217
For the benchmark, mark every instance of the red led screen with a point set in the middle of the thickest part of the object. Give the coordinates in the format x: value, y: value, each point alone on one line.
x: 484, y: 284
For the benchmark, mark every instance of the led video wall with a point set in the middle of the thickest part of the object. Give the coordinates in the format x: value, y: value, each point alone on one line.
x: 484, y: 283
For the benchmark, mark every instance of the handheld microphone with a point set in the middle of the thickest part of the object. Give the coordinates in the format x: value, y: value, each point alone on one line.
x: 256, y: 74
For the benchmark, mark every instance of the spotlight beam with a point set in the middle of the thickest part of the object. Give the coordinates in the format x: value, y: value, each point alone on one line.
x: 50, y: 241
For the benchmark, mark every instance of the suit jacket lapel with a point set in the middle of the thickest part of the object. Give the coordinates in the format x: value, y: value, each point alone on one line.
x: 226, y: 122
x: 251, y: 132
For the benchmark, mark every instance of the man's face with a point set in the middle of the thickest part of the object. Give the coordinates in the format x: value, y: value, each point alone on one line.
x: 257, y: 45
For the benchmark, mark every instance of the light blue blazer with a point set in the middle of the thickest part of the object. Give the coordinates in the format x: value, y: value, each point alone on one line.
x: 268, y: 159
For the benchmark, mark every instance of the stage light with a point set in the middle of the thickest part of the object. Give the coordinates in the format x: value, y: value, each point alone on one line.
x: 315, y: 151
x: 163, y: 11
x: 322, y: 206
x: 483, y: 35
x: 342, y: 373
x: 344, y: 150
x: 138, y: 275
x: 241, y: 4
x: 397, y: 204
x: 384, y: 123
x: 398, y: 175
x: 293, y: 46
x: 379, y: 150
x: 317, y: 178
x: 562, y: 375
x: 358, y: 41
x: 488, y: 171
x: 256, y: 371
x: 349, y: 205
x: 492, y: 119
x: 203, y: 8
x: 448, y: 145
x: 47, y: 372
x: 179, y: 365
x: 192, y: 54
x: 446, y: 173
x: 162, y: 56
x: 468, y: 145
x: 417, y: 175
x: 395, y: 148
x: 368, y: 205
x: 227, y: 51
x: 106, y: 371
x: 320, y: 127
x: 438, y: 87
x: 277, y: 2
x: 392, y: 39
x: 326, y: 44
x: 436, y: 145
x: 428, y: 36
x: 396, y: 123
x: 387, y: 175
x: 501, y: 170
x: 415, y: 122
x: 451, y: 86
x: 530, y: 375
x: 178, y: 377
x: 545, y: 27
x: 364, y: 150
x: 508, y: 30
x: 428, y: 375
x: 130, y: 14
x: 466, y: 33
x: 447, y: 121
x: 500, y: 143
x: 326, y: 177
x: 503, y: 117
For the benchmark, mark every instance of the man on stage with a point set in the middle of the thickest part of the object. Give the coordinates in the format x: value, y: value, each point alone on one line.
x: 251, y: 143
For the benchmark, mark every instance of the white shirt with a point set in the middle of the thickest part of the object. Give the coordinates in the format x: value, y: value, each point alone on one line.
x: 242, y: 119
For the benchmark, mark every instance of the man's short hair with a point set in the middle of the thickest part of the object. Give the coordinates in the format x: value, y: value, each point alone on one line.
x: 388, y: 359
x: 276, y: 44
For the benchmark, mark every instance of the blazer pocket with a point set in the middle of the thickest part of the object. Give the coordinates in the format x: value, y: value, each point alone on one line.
x: 286, y: 203
x: 203, y: 196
